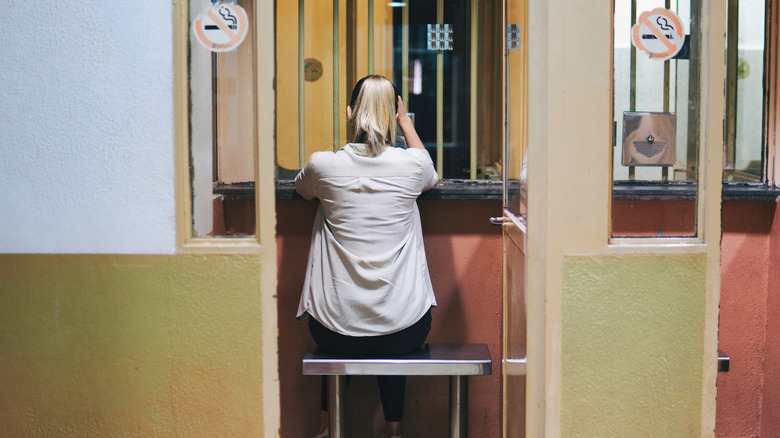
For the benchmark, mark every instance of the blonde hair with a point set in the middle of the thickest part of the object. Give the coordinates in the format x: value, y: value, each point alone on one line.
x: 373, y: 115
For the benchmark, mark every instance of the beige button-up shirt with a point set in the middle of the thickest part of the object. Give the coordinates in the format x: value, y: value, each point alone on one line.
x: 367, y: 274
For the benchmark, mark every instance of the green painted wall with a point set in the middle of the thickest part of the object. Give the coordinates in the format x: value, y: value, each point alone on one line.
x: 132, y: 346
x: 632, y: 336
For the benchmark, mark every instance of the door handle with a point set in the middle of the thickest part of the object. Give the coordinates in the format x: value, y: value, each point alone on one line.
x: 500, y: 220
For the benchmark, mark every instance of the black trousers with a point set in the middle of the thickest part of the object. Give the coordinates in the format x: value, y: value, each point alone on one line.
x: 392, y: 389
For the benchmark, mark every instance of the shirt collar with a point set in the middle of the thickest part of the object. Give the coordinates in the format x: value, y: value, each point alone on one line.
x: 358, y: 149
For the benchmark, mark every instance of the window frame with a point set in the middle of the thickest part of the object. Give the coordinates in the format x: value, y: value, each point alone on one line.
x: 264, y: 105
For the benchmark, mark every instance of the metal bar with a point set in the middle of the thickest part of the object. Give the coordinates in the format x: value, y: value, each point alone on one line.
x: 632, y: 81
x: 214, y: 118
x: 459, y: 417
x: 301, y: 86
x: 473, y: 94
x: 370, y: 25
x: 694, y: 93
x: 440, y: 97
x: 732, y: 60
x: 405, y: 53
x: 667, y: 95
x: 336, y: 406
x: 336, y: 91
x: 351, y: 63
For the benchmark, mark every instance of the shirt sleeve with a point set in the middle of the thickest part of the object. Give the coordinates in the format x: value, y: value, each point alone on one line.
x: 429, y: 176
x: 303, y: 182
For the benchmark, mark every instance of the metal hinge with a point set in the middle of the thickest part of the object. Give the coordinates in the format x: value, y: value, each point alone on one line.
x: 513, y: 37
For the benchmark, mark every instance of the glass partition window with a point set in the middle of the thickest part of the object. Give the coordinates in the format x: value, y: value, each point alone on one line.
x: 656, y: 111
x: 445, y: 56
x: 516, y: 89
x: 222, y: 124
x: 645, y: 85
x: 745, y: 92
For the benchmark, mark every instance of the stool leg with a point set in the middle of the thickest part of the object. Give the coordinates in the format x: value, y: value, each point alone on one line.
x: 459, y: 407
x: 336, y: 398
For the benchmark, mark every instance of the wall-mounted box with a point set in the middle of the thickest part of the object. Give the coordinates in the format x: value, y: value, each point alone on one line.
x: 649, y: 139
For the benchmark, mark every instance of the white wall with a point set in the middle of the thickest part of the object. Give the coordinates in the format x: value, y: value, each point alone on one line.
x: 86, y: 127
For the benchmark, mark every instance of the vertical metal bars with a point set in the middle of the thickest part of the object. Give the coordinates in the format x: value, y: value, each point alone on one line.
x: 301, y: 86
x: 694, y: 93
x: 732, y: 59
x: 632, y: 81
x: 405, y: 53
x: 336, y: 91
x: 473, y: 87
x: 351, y: 43
x: 440, y: 96
x: 370, y: 45
x: 667, y: 79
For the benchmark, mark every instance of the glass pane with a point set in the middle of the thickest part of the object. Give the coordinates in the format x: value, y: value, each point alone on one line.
x: 745, y: 79
x: 655, y: 141
x: 325, y: 47
x: 222, y: 132
x: 516, y: 195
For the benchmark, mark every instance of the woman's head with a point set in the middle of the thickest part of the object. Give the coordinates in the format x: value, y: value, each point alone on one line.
x: 373, y: 108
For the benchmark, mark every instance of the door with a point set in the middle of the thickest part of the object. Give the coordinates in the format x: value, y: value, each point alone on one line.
x: 514, y: 222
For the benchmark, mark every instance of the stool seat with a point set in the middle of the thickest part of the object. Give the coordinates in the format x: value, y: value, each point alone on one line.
x: 458, y: 361
x: 429, y: 360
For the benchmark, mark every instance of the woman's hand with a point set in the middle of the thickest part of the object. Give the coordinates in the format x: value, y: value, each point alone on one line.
x: 401, y: 114
x: 407, y: 127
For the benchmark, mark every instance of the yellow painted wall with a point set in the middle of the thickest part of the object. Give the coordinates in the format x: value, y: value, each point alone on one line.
x: 632, y: 343
x: 132, y: 346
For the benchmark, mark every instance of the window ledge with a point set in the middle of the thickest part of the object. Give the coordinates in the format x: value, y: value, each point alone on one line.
x: 750, y: 192
x: 492, y: 190
x: 457, y: 189
x: 686, y: 191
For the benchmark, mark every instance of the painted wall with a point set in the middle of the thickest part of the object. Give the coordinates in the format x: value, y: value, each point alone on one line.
x: 141, y: 342
x: 626, y: 371
x: 86, y: 127
x: 770, y: 410
x: 465, y: 259
x: 133, y: 346
x: 748, y: 403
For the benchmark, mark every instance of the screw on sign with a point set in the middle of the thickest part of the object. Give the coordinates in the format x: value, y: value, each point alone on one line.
x: 659, y: 33
x: 222, y: 27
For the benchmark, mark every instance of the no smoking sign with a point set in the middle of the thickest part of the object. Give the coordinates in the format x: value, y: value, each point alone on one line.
x: 222, y: 27
x: 659, y: 33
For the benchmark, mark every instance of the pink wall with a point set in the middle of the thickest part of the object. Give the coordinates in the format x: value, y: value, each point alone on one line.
x: 770, y: 412
x: 465, y: 258
x: 745, y: 260
x: 653, y: 218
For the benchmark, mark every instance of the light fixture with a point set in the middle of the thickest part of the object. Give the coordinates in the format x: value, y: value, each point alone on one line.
x: 396, y: 4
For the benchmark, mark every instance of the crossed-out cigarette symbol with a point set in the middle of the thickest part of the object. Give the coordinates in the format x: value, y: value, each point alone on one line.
x: 659, y: 33
x: 222, y: 27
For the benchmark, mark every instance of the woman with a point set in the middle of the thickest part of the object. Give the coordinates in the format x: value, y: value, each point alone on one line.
x: 367, y: 289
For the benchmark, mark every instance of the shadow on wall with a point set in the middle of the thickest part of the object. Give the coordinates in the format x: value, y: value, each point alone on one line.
x: 464, y: 255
